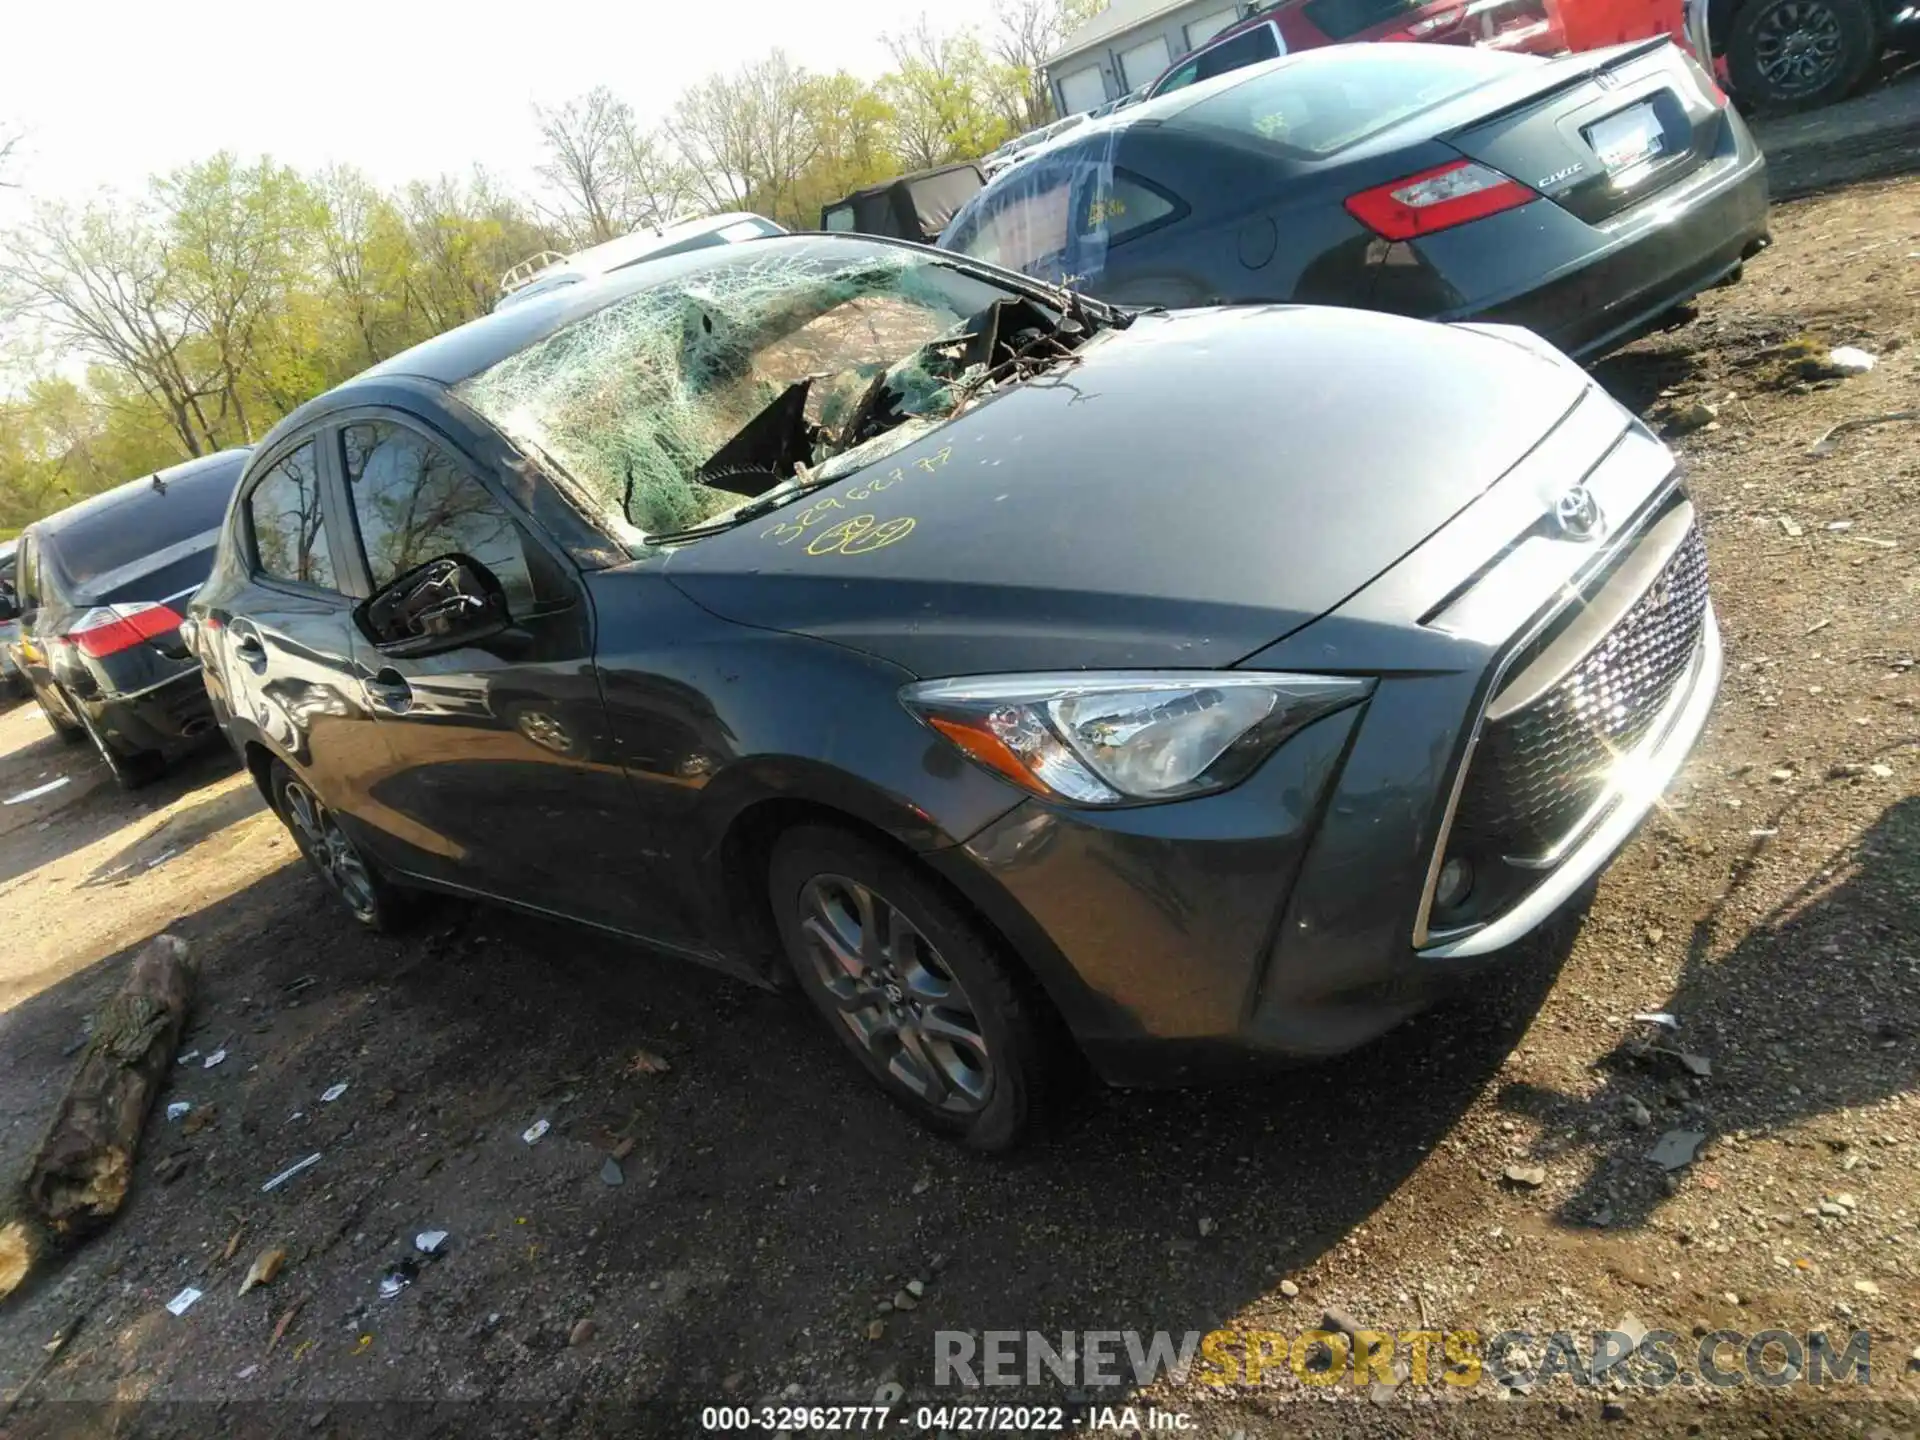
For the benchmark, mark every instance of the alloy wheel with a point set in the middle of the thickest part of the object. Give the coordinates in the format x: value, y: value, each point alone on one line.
x: 1798, y: 47
x: 894, y: 992
x: 331, y: 852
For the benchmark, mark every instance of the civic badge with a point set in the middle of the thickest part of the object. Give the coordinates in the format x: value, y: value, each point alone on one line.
x: 1578, y: 514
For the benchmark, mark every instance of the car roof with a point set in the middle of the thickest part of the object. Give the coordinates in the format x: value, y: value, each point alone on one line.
x: 223, y: 465
x: 625, y: 249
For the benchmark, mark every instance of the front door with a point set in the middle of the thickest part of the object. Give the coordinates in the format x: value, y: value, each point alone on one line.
x: 500, y: 761
x: 282, y: 642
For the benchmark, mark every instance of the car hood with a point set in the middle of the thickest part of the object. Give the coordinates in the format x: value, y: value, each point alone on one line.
x: 1183, y: 493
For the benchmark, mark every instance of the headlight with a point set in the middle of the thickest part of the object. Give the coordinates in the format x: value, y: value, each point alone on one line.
x: 1112, y: 739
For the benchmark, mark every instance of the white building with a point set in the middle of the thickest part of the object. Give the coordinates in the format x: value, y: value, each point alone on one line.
x: 1130, y: 43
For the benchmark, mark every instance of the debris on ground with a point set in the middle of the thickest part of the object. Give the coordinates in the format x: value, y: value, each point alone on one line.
x: 184, y: 1301
x: 292, y: 1170
x: 286, y: 1320
x: 428, y: 1242
x: 1676, y: 1149
x: 534, y: 1131
x: 399, y: 1275
x: 645, y: 1062
x: 178, y: 1109
x: 611, y: 1173
x: 1659, y: 1017
x: 1530, y: 1176
x: 34, y: 794
x: 582, y: 1332
x: 333, y: 1093
x: 265, y: 1266
x: 1851, y: 360
x: 1824, y: 446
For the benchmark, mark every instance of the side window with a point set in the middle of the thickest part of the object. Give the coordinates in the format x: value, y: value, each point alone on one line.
x: 415, y: 502
x: 1242, y: 50
x: 289, y: 535
x: 1179, y: 79
x: 1127, y: 207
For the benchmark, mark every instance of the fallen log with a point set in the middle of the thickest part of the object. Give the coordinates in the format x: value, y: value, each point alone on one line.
x: 79, y: 1175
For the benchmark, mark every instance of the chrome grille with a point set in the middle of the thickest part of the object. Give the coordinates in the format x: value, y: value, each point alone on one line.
x: 1536, y: 772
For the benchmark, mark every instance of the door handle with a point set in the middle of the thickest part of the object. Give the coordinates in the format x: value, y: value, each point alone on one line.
x: 251, y: 652
x: 389, y: 691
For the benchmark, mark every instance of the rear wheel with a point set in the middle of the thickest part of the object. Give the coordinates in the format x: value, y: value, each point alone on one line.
x: 367, y: 895
x: 1798, y: 54
x: 60, y: 715
x: 911, y: 986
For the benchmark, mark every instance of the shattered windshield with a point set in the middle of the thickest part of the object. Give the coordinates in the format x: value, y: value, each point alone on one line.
x: 672, y: 403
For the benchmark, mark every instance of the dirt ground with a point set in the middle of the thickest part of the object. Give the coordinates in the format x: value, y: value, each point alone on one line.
x: 771, y: 1207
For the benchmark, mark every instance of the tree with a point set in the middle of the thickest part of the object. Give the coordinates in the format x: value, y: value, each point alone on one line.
x: 588, y: 141
x: 239, y: 243
x: 748, y: 138
x: 941, y: 96
x: 1025, y: 34
x: 100, y: 283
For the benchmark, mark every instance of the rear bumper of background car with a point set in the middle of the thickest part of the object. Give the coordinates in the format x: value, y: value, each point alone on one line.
x: 1589, y: 288
x: 171, y: 717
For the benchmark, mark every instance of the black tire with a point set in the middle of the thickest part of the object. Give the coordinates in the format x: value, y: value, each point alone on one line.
x: 1786, y: 55
x: 946, y: 974
x: 377, y: 904
x: 70, y: 730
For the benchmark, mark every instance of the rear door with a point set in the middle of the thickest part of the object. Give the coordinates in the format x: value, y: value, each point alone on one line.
x: 500, y: 771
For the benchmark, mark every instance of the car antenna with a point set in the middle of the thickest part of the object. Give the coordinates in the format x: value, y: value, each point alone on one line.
x: 626, y: 498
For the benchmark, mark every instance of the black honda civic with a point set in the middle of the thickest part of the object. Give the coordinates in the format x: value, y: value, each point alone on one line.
x: 1582, y: 197
x: 100, y: 587
x: 1014, y: 673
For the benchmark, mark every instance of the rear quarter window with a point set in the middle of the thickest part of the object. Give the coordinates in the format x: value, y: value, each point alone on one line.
x: 1339, y: 96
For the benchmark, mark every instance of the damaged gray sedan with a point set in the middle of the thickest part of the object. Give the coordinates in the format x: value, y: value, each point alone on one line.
x: 1011, y: 672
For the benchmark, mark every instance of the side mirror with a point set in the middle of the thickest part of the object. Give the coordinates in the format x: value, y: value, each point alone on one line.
x: 441, y: 605
x: 9, y: 607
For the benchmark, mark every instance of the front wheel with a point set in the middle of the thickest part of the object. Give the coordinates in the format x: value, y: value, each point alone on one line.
x: 368, y: 896
x: 1798, y: 54
x: 910, y: 984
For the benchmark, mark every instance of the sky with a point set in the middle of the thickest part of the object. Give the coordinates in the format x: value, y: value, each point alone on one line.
x: 108, y: 93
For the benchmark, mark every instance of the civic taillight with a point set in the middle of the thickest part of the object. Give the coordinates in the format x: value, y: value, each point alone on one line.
x: 109, y: 629
x: 1437, y: 199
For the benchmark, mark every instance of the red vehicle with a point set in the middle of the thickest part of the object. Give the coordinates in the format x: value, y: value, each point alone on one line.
x: 1773, y: 54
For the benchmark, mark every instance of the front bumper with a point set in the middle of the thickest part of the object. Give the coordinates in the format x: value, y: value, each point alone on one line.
x: 172, y: 717
x: 1289, y: 918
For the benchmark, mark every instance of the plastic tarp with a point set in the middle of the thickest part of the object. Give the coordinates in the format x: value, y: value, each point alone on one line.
x: 1053, y: 216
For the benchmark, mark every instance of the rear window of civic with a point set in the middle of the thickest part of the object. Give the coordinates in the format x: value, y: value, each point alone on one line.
x: 142, y: 523
x: 1329, y: 100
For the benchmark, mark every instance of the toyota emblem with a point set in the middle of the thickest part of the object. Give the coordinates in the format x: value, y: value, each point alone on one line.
x: 1578, y: 514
